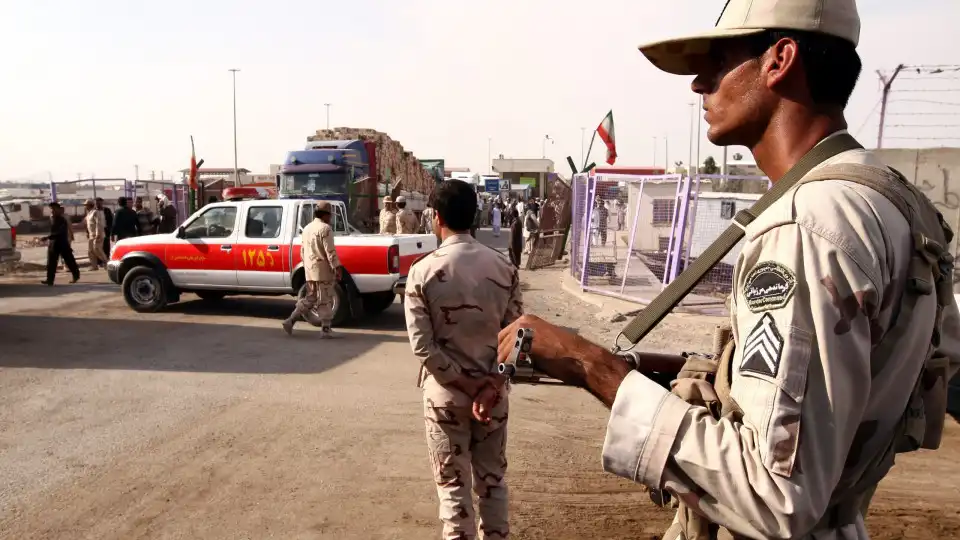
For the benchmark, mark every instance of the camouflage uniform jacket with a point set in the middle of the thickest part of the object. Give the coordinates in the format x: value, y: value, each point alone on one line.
x: 388, y: 222
x: 406, y: 222
x: 457, y: 300
x: 318, y: 252
x: 816, y: 287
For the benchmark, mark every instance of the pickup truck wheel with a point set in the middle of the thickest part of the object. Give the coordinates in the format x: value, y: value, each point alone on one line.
x: 377, y: 302
x: 211, y: 296
x: 341, y: 305
x: 144, y: 290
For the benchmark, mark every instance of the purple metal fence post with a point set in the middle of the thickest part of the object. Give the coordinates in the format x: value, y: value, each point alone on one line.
x: 681, y: 227
x: 53, y: 191
x: 591, y: 189
x: 633, y: 234
x: 693, y: 220
x: 574, y: 226
x: 673, y: 225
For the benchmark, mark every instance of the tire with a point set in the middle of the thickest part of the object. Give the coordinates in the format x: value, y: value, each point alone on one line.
x: 211, y: 296
x: 374, y: 303
x: 144, y: 290
x: 341, y: 304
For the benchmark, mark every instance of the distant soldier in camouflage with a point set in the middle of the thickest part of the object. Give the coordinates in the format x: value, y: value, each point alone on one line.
x: 323, y: 270
x: 406, y: 220
x: 845, y: 328
x: 457, y: 300
x: 388, y: 217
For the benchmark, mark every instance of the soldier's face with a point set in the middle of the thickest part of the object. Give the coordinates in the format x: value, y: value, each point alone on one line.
x: 736, y: 102
x: 436, y: 225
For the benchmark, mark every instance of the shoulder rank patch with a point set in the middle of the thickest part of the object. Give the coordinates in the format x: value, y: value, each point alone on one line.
x: 762, y: 348
x: 769, y: 286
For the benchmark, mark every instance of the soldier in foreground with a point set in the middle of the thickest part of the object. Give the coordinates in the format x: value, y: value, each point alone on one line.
x: 323, y: 270
x: 388, y: 217
x: 406, y: 220
x: 834, y: 307
x: 457, y: 299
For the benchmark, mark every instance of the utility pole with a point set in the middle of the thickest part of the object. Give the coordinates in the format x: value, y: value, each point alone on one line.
x: 545, y: 139
x: 327, y: 105
x: 724, y: 170
x: 887, y: 83
x: 699, y: 123
x: 654, y: 153
x: 236, y: 169
x: 690, y: 150
x: 136, y: 169
x: 666, y: 154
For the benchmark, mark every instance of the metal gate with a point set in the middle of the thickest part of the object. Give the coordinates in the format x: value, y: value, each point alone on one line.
x: 555, y: 218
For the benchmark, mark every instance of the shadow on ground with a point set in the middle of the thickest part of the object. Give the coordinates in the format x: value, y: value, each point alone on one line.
x: 277, y: 308
x: 62, y: 286
x: 131, y: 344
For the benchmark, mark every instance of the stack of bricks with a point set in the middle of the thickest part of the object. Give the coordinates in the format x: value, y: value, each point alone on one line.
x: 394, y: 163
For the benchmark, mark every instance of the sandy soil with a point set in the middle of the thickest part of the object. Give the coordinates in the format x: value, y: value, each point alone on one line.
x: 206, y: 421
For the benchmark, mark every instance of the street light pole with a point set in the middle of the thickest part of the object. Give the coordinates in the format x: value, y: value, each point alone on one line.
x: 327, y: 105
x: 489, y: 155
x: 654, y: 153
x: 545, y: 139
x: 236, y: 168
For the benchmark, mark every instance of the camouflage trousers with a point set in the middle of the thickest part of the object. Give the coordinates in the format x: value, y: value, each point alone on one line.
x: 316, y: 307
x: 464, y: 455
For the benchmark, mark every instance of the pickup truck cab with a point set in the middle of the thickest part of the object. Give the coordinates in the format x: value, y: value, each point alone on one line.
x: 253, y: 247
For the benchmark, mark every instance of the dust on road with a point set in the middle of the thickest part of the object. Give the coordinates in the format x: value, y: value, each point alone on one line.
x: 206, y: 421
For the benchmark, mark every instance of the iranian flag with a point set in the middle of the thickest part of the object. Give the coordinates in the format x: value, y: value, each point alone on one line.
x: 605, y: 130
x: 194, y: 169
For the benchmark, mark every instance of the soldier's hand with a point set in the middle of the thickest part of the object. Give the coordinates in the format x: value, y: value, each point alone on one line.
x: 471, y: 386
x: 551, y: 351
x: 484, y: 403
x: 339, y: 273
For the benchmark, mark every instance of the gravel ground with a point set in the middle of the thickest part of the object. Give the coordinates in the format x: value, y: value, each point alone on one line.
x: 206, y: 421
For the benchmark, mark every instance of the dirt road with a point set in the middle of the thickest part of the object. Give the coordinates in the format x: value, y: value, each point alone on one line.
x: 206, y: 421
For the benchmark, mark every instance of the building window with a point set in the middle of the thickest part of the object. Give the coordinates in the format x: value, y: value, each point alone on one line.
x: 727, y: 209
x: 664, y: 243
x: 663, y: 210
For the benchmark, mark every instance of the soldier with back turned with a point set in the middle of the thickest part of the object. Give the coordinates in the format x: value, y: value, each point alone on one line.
x: 456, y: 301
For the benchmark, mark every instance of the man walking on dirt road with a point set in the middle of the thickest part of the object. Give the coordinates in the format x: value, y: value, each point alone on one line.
x: 456, y: 301
x: 323, y: 270
x: 841, y: 294
x: 58, y: 246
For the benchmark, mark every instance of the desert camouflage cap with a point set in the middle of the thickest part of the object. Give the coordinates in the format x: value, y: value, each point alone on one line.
x: 388, y: 199
x: 837, y: 18
x: 324, y: 206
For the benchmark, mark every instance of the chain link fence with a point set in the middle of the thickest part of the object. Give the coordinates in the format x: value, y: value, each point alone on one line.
x: 632, y: 235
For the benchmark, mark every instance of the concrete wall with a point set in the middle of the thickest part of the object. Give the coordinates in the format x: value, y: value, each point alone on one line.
x: 936, y: 171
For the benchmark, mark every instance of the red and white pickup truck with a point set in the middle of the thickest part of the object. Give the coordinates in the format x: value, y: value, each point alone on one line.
x: 253, y: 247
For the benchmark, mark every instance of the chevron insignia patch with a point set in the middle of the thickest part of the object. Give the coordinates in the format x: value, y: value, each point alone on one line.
x: 762, y: 348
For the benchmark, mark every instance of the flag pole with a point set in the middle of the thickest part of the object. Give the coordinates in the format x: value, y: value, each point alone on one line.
x: 586, y: 158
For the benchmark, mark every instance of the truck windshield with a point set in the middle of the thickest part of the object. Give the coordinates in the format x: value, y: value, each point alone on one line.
x: 314, y: 183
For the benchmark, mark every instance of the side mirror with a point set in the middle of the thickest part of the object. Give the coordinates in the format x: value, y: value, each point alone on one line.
x: 181, y: 232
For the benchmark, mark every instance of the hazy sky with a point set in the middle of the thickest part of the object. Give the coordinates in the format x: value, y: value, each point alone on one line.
x: 101, y: 85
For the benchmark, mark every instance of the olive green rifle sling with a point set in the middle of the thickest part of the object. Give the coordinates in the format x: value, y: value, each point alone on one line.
x: 651, y: 315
